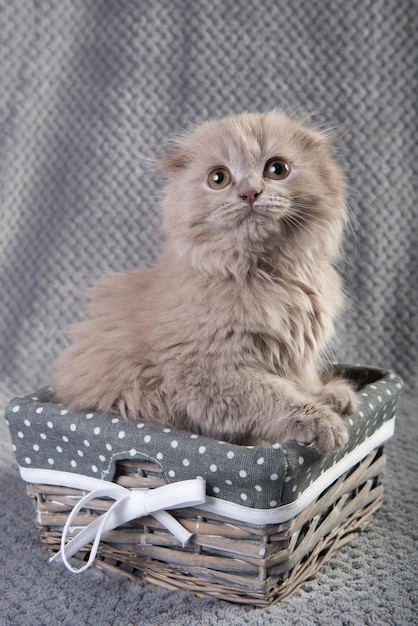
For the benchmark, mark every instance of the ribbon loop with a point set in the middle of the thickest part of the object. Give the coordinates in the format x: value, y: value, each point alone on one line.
x: 130, y: 504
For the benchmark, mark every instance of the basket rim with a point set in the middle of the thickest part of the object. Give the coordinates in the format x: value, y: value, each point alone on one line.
x: 265, y: 477
x: 223, y: 508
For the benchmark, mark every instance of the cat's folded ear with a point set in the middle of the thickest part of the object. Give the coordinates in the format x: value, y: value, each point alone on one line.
x: 315, y: 135
x: 176, y: 156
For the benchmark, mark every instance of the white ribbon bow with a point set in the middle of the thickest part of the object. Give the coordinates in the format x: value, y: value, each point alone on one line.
x: 130, y: 504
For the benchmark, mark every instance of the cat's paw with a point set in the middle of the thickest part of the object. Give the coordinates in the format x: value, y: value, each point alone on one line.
x: 340, y: 395
x: 330, y: 435
x: 320, y: 426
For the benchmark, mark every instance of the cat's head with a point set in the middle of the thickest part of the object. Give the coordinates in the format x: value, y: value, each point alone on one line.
x: 251, y: 185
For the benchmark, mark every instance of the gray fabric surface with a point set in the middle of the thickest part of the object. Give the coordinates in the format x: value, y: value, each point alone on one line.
x: 89, y: 91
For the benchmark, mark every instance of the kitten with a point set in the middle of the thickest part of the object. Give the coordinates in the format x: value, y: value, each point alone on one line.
x: 224, y: 335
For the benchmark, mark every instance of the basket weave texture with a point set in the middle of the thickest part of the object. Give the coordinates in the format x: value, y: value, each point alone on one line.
x: 238, y: 550
x: 226, y: 559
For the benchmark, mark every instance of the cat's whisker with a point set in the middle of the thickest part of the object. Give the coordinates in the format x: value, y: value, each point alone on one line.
x: 308, y: 213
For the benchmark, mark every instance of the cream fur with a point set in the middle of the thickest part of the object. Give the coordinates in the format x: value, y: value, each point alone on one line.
x: 224, y: 335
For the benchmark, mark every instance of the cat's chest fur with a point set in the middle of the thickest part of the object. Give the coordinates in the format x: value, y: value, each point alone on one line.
x: 262, y: 320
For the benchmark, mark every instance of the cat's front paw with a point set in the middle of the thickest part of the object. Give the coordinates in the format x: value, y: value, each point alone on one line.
x: 340, y: 395
x: 330, y: 435
x: 320, y: 426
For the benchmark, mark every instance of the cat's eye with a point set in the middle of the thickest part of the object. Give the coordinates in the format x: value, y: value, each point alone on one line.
x: 219, y: 178
x: 277, y: 169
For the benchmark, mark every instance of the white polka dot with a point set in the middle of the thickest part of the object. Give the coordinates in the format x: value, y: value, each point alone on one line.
x: 58, y: 449
x: 228, y: 482
x: 50, y: 425
x: 115, y: 420
x: 258, y: 488
x: 89, y: 416
x: 63, y: 412
x: 132, y: 452
x: 294, y: 488
x: 160, y: 456
x: 35, y: 447
x: 174, y: 443
x: 20, y: 434
x: 102, y: 458
x: 73, y: 427
x: 193, y: 436
x: 140, y: 425
x: 216, y: 490
x: 35, y: 398
x: 244, y: 496
x: 364, y: 394
x: 40, y: 410
x: 27, y: 423
x: 96, y: 431
x: 273, y: 503
x: 361, y: 413
x: 86, y: 443
x: 213, y: 468
x: 301, y: 460
x: 73, y: 464
x: 172, y: 473
x: 65, y: 438
x: 350, y: 421
x: 242, y: 473
x: 167, y: 430
x: 287, y: 479
x: 14, y: 447
x: 147, y: 438
x: 371, y: 406
x: 51, y: 461
x: 94, y: 468
x: 202, y: 450
x: 379, y: 398
x: 16, y: 408
x: 274, y: 477
x: 121, y: 434
x: 388, y: 391
x: 186, y: 462
x: 28, y: 460
x: 230, y: 454
x: 260, y: 461
x: 276, y: 446
x: 108, y: 446
x: 80, y: 453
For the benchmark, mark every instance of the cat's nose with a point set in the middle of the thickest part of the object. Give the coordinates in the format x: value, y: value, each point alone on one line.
x: 250, y: 195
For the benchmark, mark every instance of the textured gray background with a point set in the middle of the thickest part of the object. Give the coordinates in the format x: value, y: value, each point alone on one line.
x: 89, y: 92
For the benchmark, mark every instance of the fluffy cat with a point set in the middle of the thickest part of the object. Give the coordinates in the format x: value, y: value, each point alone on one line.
x: 224, y: 335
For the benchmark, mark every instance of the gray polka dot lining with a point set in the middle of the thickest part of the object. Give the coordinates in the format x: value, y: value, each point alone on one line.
x: 47, y: 435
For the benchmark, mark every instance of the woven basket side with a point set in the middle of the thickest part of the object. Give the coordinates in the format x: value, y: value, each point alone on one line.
x: 226, y: 559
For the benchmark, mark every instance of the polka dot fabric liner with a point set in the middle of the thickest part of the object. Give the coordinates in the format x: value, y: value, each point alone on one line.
x: 47, y: 435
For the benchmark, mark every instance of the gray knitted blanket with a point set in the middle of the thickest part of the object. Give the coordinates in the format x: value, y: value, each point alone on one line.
x: 90, y: 90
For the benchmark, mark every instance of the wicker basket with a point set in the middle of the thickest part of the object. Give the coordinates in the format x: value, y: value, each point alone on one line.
x: 235, y: 551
